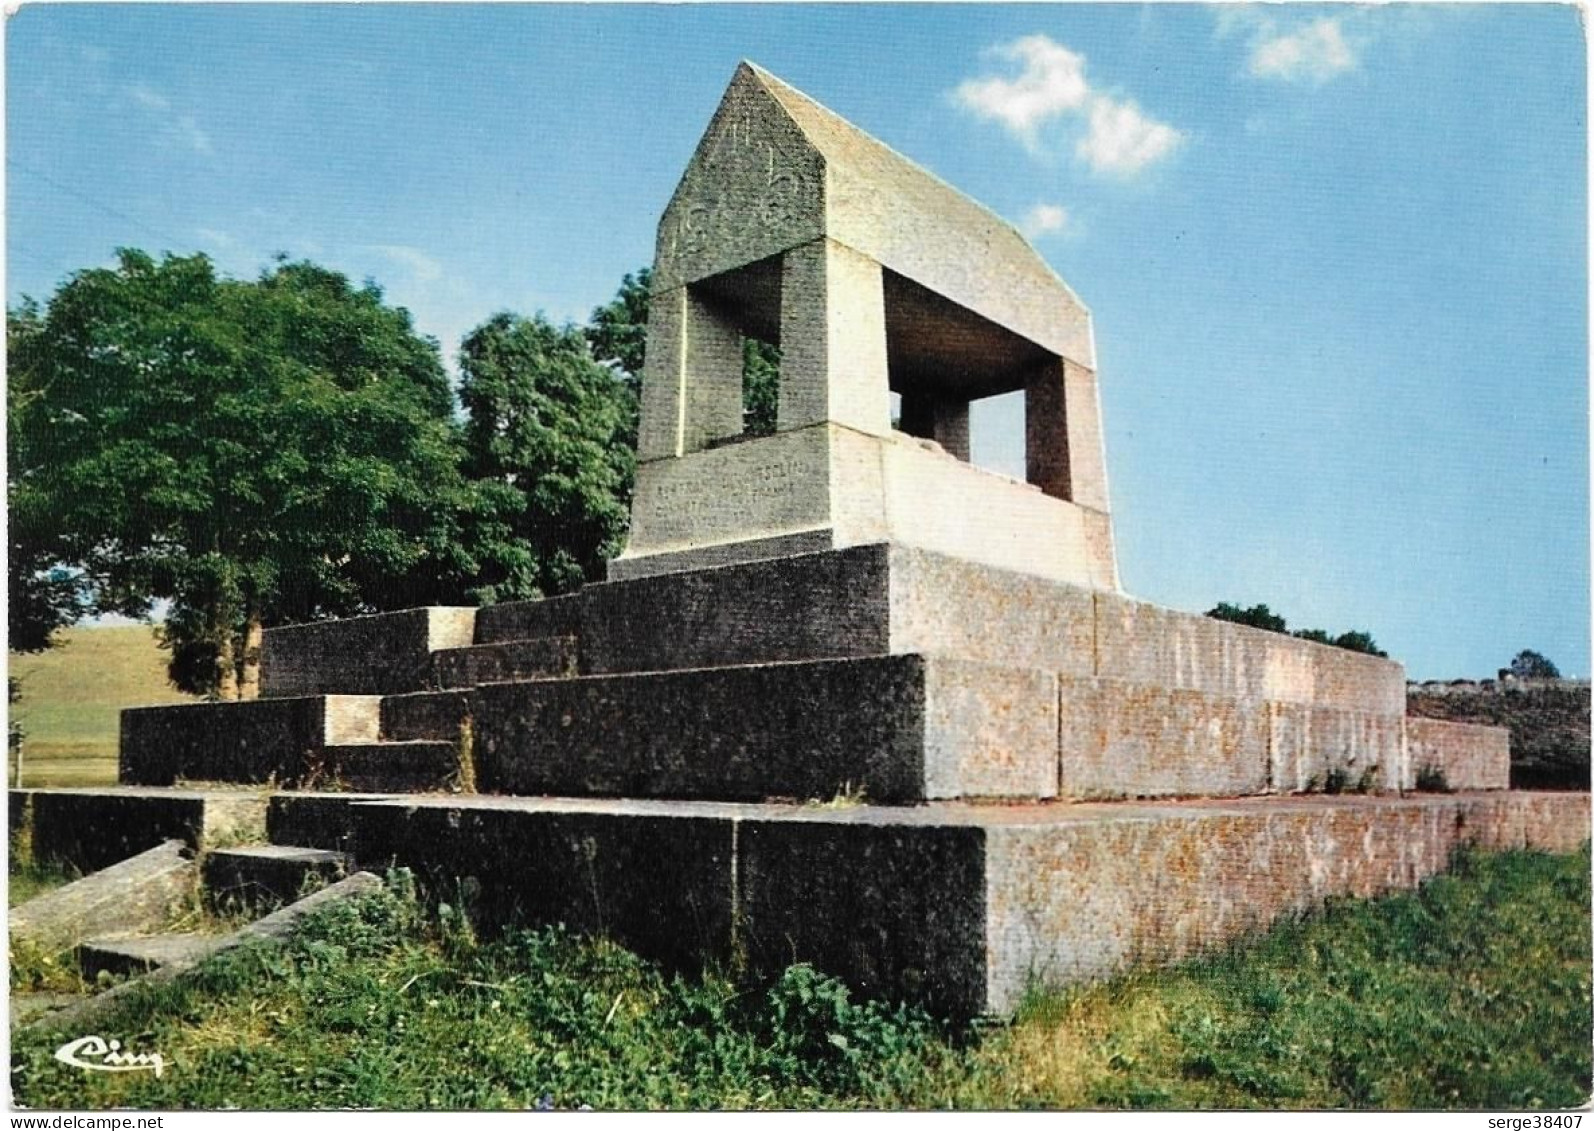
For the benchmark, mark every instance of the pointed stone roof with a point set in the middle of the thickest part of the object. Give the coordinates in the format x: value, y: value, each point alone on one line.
x: 775, y: 170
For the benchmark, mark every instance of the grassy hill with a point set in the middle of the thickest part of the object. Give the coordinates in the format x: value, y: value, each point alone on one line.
x: 71, y: 696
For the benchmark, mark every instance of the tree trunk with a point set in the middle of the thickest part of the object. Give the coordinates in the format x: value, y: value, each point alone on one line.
x: 254, y: 636
x: 226, y: 667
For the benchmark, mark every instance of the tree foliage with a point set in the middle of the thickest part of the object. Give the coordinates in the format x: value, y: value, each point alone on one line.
x: 1529, y: 664
x: 249, y: 451
x: 1257, y: 616
x: 545, y: 446
x: 1260, y: 616
x: 618, y: 333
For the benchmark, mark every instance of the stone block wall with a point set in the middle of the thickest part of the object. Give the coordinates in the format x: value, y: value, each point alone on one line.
x: 1467, y: 756
x: 382, y: 654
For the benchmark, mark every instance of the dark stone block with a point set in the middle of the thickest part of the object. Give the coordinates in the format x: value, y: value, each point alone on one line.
x: 816, y: 606
x: 393, y: 767
x: 530, y: 620
x: 232, y: 742
x: 435, y: 715
x: 783, y: 730
x: 548, y: 658
x: 659, y: 885
x: 264, y: 877
x: 895, y: 910
x: 384, y: 654
x: 93, y: 829
x: 313, y: 820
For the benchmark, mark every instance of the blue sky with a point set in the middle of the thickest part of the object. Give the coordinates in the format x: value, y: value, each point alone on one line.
x: 1337, y: 256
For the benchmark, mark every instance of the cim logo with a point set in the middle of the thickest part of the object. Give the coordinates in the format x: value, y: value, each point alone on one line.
x: 96, y: 1054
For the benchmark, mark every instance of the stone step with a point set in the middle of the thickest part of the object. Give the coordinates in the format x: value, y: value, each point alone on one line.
x: 93, y: 828
x: 135, y: 956
x: 262, y: 877
x: 896, y: 729
x: 890, y: 728
x: 548, y: 657
x: 953, y: 904
x: 264, y: 741
x: 135, y: 895
x: 411, y: 766
x: 317, y: 820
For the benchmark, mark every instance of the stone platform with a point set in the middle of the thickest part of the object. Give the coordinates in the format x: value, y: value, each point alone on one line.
x: 960, y: 906
x: 899, y: 673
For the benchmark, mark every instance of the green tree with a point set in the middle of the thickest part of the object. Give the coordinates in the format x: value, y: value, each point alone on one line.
x: 618, y: 332
x: 546, y: 451
x: 250, y: 451
x: 42, y: 594
x: 1257, y: 616
x: 1260, y: 616
x: 1529, y: 664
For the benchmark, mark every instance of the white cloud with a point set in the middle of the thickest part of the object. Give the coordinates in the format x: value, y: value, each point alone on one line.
x: 1044, y: 220
x: 151, y: 99
x: 1315, y: 52
x: 1122, y: 140
x: 216, y: 238
x: 1052, y: 83
x: 1119, y: 138
x: 413, y: 259
x: 176, y: 128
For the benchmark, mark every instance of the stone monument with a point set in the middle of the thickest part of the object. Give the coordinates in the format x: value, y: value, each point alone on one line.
x: 846, y: 698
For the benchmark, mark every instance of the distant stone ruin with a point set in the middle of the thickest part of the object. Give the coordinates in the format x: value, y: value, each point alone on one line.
x: 845, y: 698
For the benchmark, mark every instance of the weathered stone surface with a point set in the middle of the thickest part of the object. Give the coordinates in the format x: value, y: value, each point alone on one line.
x: 135, y: 956
x: 372, y: 655
x: 266, y: 876
x: 315, y: 820
x: 794, y: 730
x: 660, y: 884
x: 1142, y: 643
x: 1316, y: 748
x: 944, y: 606
x: 90, y: 829
x: 989, y: 731
x: 136, y: 895
x: 530, y: 620
x: 546, y: 658
x: 426, y: 715
x: 262, y: 741
x: 1468, y: 757
x: 817, y: 606
x: 894, y: 728
x: 416, y: 766
x: 955, y: 904
x: 1136, y: 740
x: 1080, y: 897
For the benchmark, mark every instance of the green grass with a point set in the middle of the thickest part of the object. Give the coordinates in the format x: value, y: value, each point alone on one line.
x: 72, y: 696
x: 1472, y: 993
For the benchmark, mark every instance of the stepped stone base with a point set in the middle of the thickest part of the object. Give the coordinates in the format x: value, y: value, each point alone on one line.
x: 954, y: 904
x: 905, y: 674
